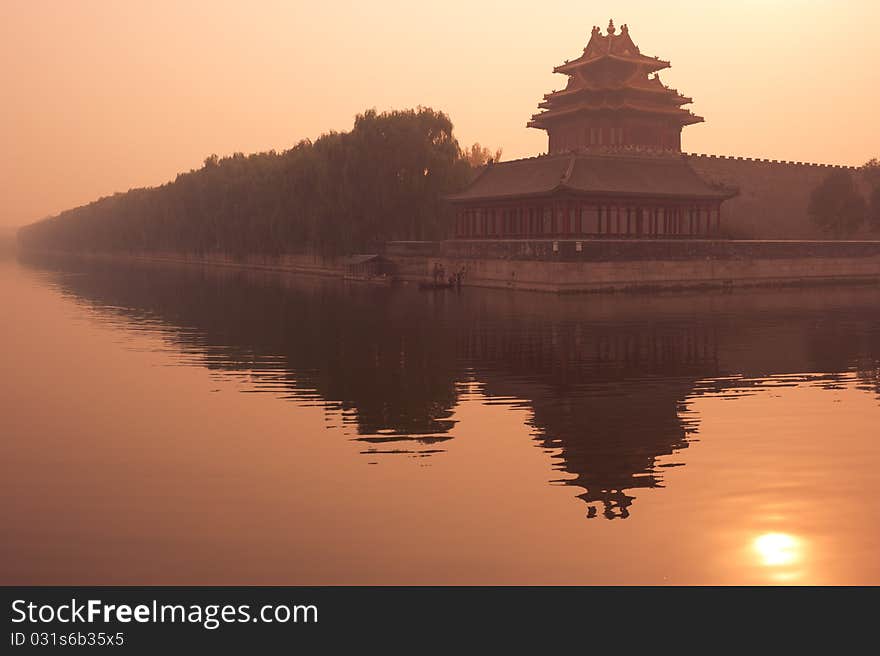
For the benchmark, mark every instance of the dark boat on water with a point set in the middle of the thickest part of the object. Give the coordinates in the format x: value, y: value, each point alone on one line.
x: 436, y: 285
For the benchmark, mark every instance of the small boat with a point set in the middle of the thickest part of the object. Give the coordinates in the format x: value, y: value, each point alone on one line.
x: 374, y: 280
x: 436, y: 285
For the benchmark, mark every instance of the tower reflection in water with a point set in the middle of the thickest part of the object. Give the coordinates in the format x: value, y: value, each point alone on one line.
x: 606, y: 378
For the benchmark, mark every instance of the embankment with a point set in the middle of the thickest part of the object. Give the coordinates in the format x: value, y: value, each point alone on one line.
x: 587, y: 266
x: 620, y: 265
x: 291, y: 263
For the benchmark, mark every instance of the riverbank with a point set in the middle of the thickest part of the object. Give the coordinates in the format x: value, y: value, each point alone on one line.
x: 571, y: 266
x: 303, y: 264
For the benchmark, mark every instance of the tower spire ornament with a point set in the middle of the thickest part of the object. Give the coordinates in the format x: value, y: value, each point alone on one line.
x: 611, y: 29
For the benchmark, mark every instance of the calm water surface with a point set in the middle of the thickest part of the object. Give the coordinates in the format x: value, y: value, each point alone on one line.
x: 169, y: 425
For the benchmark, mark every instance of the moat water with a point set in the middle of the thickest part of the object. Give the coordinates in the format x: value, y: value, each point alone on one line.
x: 173, y: 425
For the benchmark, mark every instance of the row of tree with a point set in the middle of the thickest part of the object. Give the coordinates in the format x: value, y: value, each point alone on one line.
x: 345, y: 192
x: 837, y: 206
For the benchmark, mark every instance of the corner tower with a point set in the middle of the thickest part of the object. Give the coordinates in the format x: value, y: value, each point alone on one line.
x: 614, y: 97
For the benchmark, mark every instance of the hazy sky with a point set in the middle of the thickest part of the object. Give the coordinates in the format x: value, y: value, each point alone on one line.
x: 100, y: 96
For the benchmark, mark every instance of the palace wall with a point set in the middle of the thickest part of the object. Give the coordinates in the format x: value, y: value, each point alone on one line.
x: 774, y: 195
x: 619, y: 265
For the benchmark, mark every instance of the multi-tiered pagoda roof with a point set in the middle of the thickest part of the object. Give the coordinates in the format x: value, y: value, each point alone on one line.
x: 614, y: 97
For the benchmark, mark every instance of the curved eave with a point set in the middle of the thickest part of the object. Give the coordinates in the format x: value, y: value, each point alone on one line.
x: 679, y: 115
x: 457, y: 198
x: 662, y: 91
x: 724, y: 194
x: 650, y: 63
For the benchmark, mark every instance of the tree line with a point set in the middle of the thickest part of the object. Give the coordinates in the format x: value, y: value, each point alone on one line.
x: 345, y: 192
x: 837, y: 206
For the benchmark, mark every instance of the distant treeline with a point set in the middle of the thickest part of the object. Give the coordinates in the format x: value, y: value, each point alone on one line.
x: 7, y: 240
x: 343, y: 193
x: 838, y: 208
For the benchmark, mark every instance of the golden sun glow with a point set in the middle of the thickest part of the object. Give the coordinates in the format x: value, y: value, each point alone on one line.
x: 777, y: 549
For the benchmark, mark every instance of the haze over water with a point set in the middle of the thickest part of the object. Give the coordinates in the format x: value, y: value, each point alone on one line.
x: 170, y: 425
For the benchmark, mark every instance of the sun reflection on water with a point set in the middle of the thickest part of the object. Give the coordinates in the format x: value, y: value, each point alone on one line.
x: 778, y: 549
x: 782, y: 553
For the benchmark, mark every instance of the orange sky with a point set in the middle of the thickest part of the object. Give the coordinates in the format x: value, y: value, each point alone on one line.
x: 100, y: 96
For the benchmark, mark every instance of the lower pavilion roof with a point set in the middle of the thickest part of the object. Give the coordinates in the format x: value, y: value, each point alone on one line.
x: 656, y: 175
x: 676, y: 113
